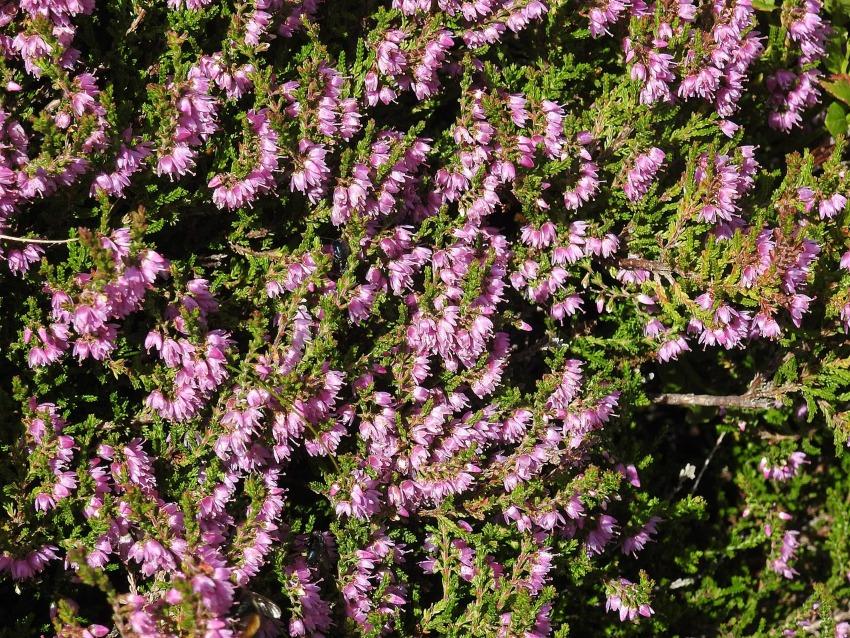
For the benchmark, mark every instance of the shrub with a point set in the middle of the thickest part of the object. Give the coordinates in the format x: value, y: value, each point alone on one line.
x: 505, y: 318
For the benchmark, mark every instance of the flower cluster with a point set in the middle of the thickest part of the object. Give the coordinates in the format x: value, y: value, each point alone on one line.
x: 45, y: 432
x: 232, y: 191
x: 624, y: 597
x: 784, y: 471
x: 84, y: 312
x: 796, y: 89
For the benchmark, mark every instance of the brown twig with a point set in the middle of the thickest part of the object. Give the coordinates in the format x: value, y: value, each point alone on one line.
x: 747, y: 401
x: 136, y: 21
x: 648, y: 264
x: 659, y: 269
x: 266, y: 254
x: 35, y: 240
x: 760, y: 395
x: 742, y: 401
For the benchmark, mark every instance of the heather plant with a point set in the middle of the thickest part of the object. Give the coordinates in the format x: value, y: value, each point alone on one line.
x: 507, y: 318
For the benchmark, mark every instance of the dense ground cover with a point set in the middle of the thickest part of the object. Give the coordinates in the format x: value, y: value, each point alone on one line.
x: 424, y: 318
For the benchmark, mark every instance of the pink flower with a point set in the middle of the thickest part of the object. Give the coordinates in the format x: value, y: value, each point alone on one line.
x: 639, y: 178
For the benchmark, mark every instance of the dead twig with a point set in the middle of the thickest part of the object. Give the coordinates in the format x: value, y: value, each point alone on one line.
x: 707, y: 461
x: 759, y: 396
x: 274, y: 255
x: 747, y: 401
x: 742, y: 401
x: 137, y: 21
x: 35, y: 240
x: 648, y: 264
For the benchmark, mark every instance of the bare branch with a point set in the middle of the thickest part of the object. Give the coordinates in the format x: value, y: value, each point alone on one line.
x: 758, y: 398
x: 137, y: 21
x: 716, y: 401
x: 35, y: 240
x: 708, y: 460
x: 274, y: 255
x: 647, y: 264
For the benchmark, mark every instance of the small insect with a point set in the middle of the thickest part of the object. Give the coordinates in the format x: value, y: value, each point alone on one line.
x: 341, y: 252
x: 250, y: 626
x: 261, y: 604
x: 254, y: 608
x: 315, y: 548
